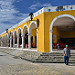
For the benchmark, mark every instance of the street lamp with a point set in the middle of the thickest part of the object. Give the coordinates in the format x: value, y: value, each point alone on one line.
x: 31, y: 17
x: 6, y: 30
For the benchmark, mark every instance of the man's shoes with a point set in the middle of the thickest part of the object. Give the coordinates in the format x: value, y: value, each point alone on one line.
x: 67, y: 64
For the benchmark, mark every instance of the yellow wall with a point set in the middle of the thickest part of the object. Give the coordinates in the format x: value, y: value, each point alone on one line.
x: 40, y: 33
x: 56, y: 34
x: 49, y: 16
x: 68, y: 34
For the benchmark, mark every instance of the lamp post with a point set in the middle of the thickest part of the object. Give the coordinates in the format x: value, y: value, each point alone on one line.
x: 31, y: 19
x: 31, y: 15
x: 6, y: 30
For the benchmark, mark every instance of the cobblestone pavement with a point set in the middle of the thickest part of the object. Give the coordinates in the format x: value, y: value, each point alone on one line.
x: 29, y: 68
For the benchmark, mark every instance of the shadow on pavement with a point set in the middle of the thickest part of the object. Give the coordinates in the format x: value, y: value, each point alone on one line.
x: 2, y: 55
x: 71, y: 64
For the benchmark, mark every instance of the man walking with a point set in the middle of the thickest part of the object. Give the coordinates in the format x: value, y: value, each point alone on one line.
x: 66, y: 54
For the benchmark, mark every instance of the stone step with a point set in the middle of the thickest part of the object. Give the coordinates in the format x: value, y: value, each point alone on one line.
x: 57, y: 54
x: 56, y: 61
x: 56, y: 57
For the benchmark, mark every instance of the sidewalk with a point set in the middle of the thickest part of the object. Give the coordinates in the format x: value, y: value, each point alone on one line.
x: 37, y: 69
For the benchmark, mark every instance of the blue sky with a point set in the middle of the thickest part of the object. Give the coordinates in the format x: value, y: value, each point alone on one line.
x: 14, y: 11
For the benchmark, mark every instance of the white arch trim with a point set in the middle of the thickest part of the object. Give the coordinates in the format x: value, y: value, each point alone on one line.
x: 51, y: 25
x: 24, y: 27
x: 33, y: 22
x: 11, y: 34
x: 19, y: 28
x: 18, y: 31
x: 15, y: 32
x: 29, y: 32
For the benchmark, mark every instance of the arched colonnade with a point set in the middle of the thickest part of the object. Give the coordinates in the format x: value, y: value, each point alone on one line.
x: 23, y: 38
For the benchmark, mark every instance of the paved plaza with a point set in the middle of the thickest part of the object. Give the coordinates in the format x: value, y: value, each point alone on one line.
x: 12, y: 66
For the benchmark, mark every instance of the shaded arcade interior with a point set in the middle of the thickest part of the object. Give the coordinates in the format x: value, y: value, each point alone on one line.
x: 63, y: 33
x: 19, y: 38
x: 33, y: 38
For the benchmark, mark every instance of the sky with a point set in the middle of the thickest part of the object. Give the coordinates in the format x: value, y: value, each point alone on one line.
x: 14, y: 11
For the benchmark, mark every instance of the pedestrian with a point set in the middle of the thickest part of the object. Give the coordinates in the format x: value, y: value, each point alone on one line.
x: 66, y: 54
x: 58, y: 46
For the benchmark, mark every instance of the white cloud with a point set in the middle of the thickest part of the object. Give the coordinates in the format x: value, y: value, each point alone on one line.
x: 9, y: 15
x: 38, y: 5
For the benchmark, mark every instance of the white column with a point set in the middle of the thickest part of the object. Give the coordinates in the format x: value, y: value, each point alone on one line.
x: 10, y: 41
x: 7, y: 41
x: 1, y: 43
x: 14, y: 41
x: 29, y: 40
x: 37, y: 37
x: 51, y: 40
x: 4, y: 41
x: 22, y: 40
x: 17, y: 41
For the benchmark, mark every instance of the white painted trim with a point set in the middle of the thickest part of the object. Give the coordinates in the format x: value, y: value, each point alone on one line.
x: 31, y: 24
x: 14, y: 32
x: 51, y: 25
x: 36, y: 30
x: 18, y: 30
x: 11, y: 32
x: 23, y: 33
x: 24, y: 27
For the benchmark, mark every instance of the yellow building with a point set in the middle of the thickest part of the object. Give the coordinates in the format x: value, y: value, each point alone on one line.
x: 50, y: 25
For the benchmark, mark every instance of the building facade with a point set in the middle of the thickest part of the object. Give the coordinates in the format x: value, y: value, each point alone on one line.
x: 55, y: 25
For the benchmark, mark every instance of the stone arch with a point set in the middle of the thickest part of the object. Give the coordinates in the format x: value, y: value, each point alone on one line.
x: 8, y: 40
x: 19, y: 37
x: 32, y: 39
x: 3, y: 41
x: 11, y: 39
x: 51, y: 26
x: 25, y: 37
x: 15, y: 39
x: 32, y: 25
